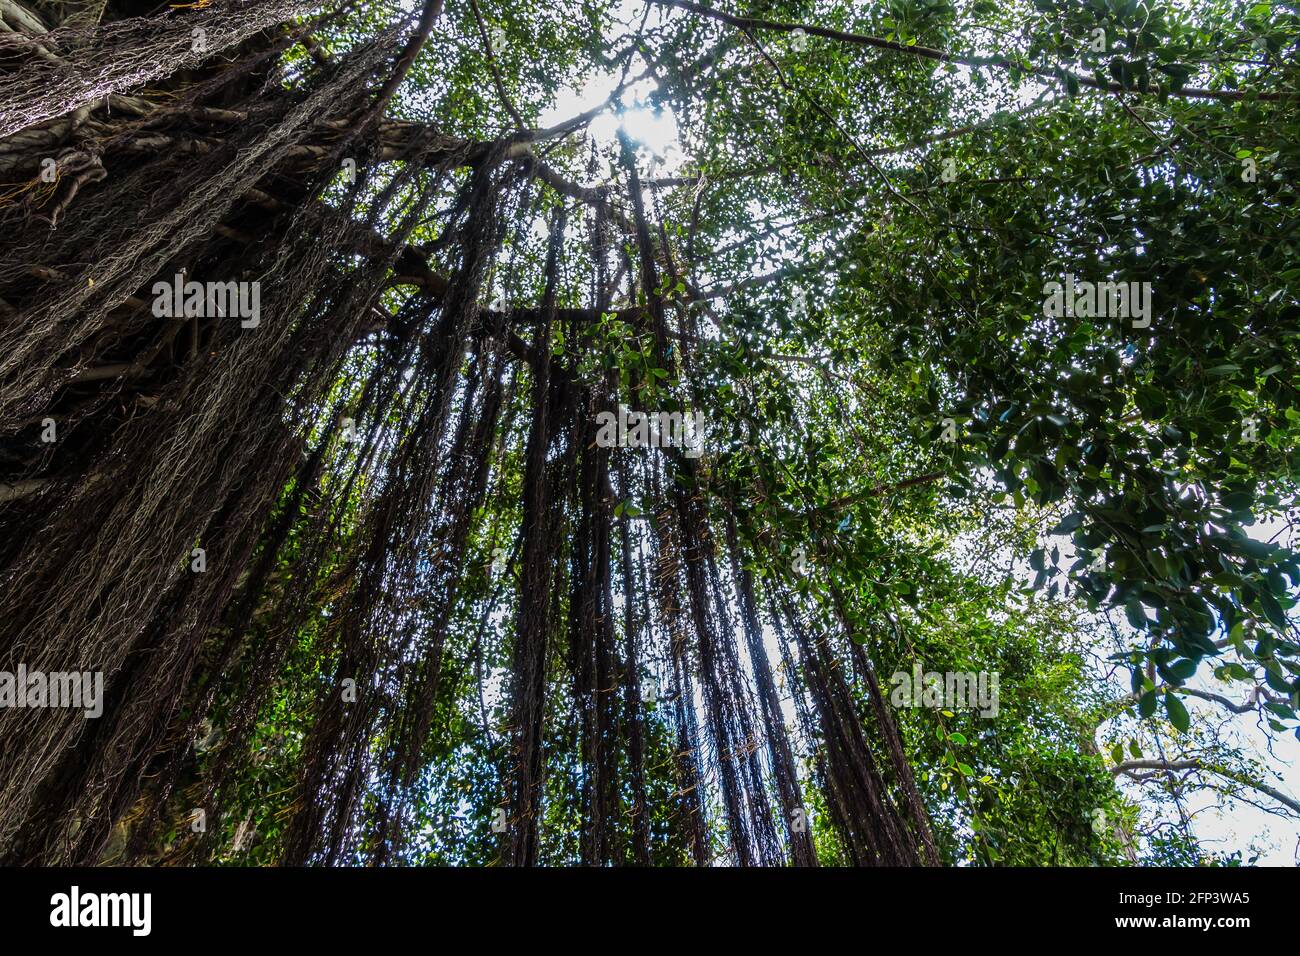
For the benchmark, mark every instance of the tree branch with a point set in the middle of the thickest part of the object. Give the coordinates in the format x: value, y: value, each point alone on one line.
x: 943, y: 56
x: 492, y: 65
x: 1195, y: 763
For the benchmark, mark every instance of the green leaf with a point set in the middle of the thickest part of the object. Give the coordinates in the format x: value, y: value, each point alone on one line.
x: 1068, y: 523
x: 1182, y: 670
x: 1147, y: 704
x: 1272, y: 610
x: 1178, y: 715
x: 1133, y: 611
x: 1238, y: 500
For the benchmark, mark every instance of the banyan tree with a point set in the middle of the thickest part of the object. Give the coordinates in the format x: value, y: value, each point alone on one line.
x: 433, y: 480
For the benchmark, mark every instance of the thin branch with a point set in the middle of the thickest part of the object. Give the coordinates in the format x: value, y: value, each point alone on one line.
x: 849, y: 500
x: 492, y: 65
x: 1195, y: 763
x: 943, y: 56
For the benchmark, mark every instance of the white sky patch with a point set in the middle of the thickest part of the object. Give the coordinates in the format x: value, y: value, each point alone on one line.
x: 654, y: 129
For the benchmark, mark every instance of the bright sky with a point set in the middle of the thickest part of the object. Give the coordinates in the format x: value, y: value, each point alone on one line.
x: 657, y: 131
